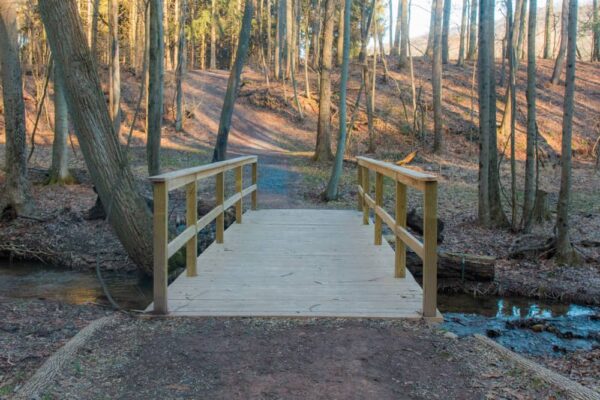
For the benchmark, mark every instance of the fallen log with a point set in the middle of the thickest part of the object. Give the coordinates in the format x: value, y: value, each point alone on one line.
x: 466, y: 267
x: 415, y: 222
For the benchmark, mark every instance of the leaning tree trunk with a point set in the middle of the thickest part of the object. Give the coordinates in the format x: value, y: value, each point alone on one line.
x: 59, y: 170
x: 446, y: 30
x: 114, y: 67
x: 463, y: 33
x: 436, y: 79
x: 108, y: 166
x: 156, y: 68
x: 180, y: 66
x: 564, y: 250
x: 529, y: 191
x: 473, y: 31
x: 562, y: 50
x: 548, y: 29
x: 403, y: 33
x: 323, y: 145
x: 220, y: 152
x: 16, y: 190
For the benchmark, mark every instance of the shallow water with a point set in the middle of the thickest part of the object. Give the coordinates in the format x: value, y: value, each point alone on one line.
x: 509, y: 321
x: 36, y: 280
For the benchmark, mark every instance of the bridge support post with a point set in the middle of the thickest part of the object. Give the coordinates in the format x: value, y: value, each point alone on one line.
x: 255, y: 182
x: 361, y: 200
x: 191, y: 218
x: 161, y: 258
x: 239, y: 177
x: 378, y: 204
x: 366, y: 190
x: 400, y: 270
x: 220, y: 197
x: 430, y: 250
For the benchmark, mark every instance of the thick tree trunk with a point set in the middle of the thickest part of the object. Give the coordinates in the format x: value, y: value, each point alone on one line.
x: 522, y: 31
x: 596, y: 31
x: 340, y: 39
x: 395, y: 50
x: 331, y: 192
x: 316, y: 32
x: 220, y: 152
x: 94, y: 29
x: 548, y: 29
x: 16, y: 189
x: 446, y: 30
x: 473, y: 31
x: 463, y: 33
x: 180, y: 66
x: 281, y: 39
x: 564, y: 250
x: 213, y: 34
x: 484, y: 89
x: 430, y: 36
x: 59, y: 170
x: 289, y: 36
x: 436, y: 78
x: 529, y: 190
x: 156, y: 54
x: 114, y: 66
x: 403, y: 33
x: 562, y: 50
x: 323, y: 145
x: 106, y: 162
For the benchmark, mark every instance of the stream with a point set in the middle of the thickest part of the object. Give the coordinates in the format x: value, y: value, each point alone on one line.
x: 521, y: 324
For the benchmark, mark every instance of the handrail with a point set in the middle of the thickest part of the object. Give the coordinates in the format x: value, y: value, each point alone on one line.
x: 427, y: 249
x: 163, y: 184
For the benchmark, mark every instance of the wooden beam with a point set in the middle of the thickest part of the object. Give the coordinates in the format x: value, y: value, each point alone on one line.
x: 161, y: 259
x: 401, y: 207
x: 378, y: 203
x: 430, y: 250
x: 191, y: 218
x: 239, y: 176
x: 220, y: 197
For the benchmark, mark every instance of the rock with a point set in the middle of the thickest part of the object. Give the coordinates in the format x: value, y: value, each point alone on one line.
x: 538, y: 328
x: 451, y: 335
x: 492, y: 333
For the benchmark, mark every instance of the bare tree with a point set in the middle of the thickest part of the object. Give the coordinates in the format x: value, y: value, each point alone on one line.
x: 108, y: 166
x: 473, y: 31
x: 564, y: 250
x: 59, y: 170
x: 213, y: 34
x: 114, y: 65
x: 220, y: 152
x: 446, y: 30
x: 403, y: 4
x: 323, y: 145
x: 16, y: 190
x: 179, y: 72
x: 595, y: 31
x: 436, y: 79
x: 463, y: 33
x: 156, y: 68
x: 562, y: 50
x: 548, y: 29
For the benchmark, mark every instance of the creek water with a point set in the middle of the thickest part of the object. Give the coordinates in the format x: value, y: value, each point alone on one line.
x: 524, y: 325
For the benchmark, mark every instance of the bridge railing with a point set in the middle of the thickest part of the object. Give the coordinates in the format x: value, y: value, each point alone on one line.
x: 427, y: 249
x: 163, y: 184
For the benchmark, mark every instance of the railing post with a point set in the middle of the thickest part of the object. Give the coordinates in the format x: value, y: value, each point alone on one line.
x: 255, y: 182
x: 360, y: 197
x: 161, y: 259
x: 400, y: 270
x: 378, y: 203
x: 430, y: 250
x: 366, y: 190
x: 239, y: 177
x: 191, y: 218
x: 220, y: 198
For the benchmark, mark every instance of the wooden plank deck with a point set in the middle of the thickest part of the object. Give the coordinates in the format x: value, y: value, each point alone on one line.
x: 297, y: 263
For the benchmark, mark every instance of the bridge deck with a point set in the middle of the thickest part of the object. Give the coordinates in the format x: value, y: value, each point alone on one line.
x: 293, y: 263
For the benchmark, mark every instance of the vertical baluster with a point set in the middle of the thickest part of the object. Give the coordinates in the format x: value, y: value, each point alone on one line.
x: 378, y: 203
x: 400, y: 270
x: 239, y: 177
x: 359, y: 170
x: 367, y: 190
x: 430, y: 250
x: 191, y: 218
x: 220, y: 198
x: 161, y: 258
x: 255, y: 182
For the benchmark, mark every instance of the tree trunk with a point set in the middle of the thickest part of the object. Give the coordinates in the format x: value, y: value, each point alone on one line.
x: 564, y: 250
x: 467, y: 267
x: 463, y: 33
x: 403, y: 33
x: 596, y: 31
x: 281, y: 40
x: 16, y: 190
x: 340, y: 38
x: 323, y: 145
x: 220, y: 152
x: 59, y: 170
x: 446, y: 30
x: 289, y: 36
x: 562, y: 50
x: 391, y: 26
x: 114, y: 66
x: 522, y: 32
x: 395, y: 49
x: 548, y: 29
x: 332, y: 186
x: 473, y: 31
x: 154, y: 107
x: 94, y: 29
x: 529, y: 191
x: 106, y: 162
x: 430, y: 36
x: 436, y: 78
x: 213, y: 34
x: 180, y: 66
x: 483, y: 66
x: 316, y: 32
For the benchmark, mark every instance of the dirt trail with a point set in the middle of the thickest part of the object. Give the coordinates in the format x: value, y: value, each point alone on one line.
x: 253, y: 131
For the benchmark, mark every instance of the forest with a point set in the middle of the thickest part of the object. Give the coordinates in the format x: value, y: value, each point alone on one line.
x: 108, y: 106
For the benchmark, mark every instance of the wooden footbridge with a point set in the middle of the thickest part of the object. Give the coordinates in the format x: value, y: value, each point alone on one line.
x: 296, y: 263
